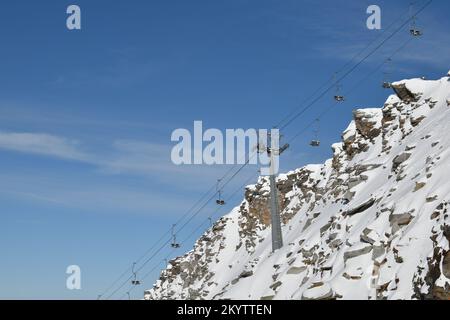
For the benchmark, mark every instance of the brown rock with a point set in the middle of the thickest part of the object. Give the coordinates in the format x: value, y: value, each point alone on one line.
x: 398, y: 160
x: 446, y: 265
x: 296, y: 270
x: 275, y: 286
x: 419, y: 185
x: 400, y: 219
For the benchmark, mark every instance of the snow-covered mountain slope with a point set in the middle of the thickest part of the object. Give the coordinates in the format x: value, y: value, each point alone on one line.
x: 370, y: 223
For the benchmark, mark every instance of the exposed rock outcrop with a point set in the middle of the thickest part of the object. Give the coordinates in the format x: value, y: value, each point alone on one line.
x: 370, y: 223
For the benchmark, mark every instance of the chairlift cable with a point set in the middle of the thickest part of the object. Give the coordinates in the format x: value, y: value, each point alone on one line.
x: 184, y: 225
x: 380, y: 35
x: 199, y: 227
x: 227, y: 173
x: 358, y: 83
x: 354, y: 67
x: 247, y: 162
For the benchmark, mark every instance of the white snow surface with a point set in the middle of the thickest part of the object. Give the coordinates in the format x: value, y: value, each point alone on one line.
x: 370, y: 223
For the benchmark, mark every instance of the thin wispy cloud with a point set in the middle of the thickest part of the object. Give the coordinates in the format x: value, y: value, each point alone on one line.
x: 127, y: 158
x: 149, y: 161
x: 88, y: 196
x: 42, y: 144
x: 123, y: 156
x: 37, y: 115
x: 137, y: 157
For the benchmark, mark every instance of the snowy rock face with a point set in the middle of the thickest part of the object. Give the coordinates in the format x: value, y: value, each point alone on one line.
x: 370, y: 223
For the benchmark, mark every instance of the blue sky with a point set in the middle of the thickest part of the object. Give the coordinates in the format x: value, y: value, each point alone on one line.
x: 86, y: 116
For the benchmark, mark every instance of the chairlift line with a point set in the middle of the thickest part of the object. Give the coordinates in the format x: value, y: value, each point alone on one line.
x: 167, y: 233
x: 238, y: 189
x: 198, y: 228
x: 154, y: 246
x: 186, y: 223
x: 284, y: 126
x: 316, y: 120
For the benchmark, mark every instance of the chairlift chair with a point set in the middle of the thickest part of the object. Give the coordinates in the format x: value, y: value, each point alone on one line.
x: 134, y: 281
x: 387, y: 85
x: 210, y: 221
x: 386, y: 74
x: 338, y: 97
x: 316, y: 142
x: 174, y: 243
x: 416, y: 32
x: 219, y: 200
